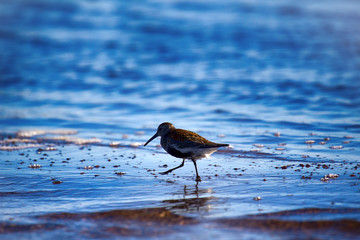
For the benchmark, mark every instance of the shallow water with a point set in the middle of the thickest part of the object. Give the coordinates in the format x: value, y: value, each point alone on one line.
x: 278, y: 81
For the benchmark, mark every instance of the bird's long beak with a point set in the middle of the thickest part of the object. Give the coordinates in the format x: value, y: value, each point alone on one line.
x: 152, y: 138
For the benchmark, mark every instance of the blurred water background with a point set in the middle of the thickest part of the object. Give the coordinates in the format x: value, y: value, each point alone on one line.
x: 243, y: 72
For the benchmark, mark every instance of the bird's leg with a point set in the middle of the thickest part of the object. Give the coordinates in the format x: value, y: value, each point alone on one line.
x: 169, y: 171
x: 198, y: 178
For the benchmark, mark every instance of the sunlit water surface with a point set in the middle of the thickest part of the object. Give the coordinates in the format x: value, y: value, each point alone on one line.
x: 85, y: 83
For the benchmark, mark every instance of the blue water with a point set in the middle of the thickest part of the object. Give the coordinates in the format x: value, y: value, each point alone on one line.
x: 234, y: 71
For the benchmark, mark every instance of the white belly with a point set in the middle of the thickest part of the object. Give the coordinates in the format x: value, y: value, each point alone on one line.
x: 199, y: 152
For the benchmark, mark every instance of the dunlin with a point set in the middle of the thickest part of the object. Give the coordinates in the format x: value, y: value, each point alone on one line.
x: 184, y: 144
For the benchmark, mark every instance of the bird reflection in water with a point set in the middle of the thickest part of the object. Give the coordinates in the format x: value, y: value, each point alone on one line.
x: 193, y: 199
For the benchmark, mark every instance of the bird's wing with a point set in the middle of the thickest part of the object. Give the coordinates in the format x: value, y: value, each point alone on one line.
x: 187, y: 139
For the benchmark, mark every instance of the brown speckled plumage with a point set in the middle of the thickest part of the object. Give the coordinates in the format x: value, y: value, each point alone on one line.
x: 184, y: 144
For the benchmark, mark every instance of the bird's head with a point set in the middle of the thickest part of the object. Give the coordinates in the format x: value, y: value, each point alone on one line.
x: 162, y: 130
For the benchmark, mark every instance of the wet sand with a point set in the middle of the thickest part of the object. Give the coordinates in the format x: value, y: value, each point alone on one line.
x: 155, y: 222
x: 58, y: 184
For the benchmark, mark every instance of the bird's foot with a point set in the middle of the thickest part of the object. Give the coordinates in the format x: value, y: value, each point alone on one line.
x: 164, y: 173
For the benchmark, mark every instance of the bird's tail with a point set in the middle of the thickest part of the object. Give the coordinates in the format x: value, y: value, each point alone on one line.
x: 217, y: 145
x: 223, y: 145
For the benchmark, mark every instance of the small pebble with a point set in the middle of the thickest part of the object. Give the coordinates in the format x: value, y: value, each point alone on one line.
x: 329, y: 176
x: 136, y: 144
x: 34, y: 165
x: 125, y: 136
x: 114, y: 144
x: 258, y: 145
x: 336, y: 147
